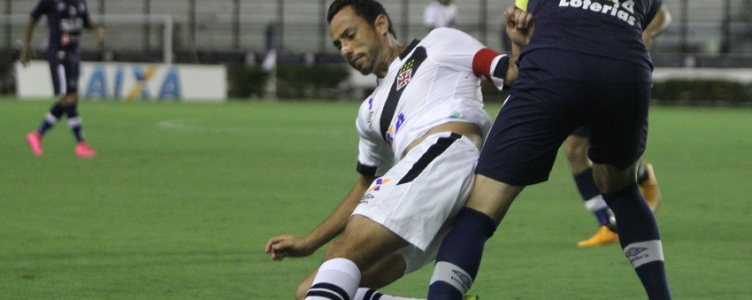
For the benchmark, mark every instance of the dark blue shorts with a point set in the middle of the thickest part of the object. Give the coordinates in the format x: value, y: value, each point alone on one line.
x: 583, y: 131
x: 64, y: 67
x: 556, y: 93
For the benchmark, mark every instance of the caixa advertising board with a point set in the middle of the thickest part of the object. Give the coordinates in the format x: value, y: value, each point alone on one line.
x: 129, y: 82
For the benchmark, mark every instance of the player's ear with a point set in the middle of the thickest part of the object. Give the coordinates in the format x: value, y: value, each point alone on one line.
x: 381, y: 24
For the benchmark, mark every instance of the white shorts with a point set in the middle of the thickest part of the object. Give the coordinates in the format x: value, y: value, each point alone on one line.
x: 422, y: 192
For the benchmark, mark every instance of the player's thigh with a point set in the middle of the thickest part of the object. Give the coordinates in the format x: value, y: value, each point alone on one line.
x: 57, y: 72
x: 620, y: 124
x: 576, y: 148
x: 72, y: 67
x: 364, y: 242
x: 384, y: 272
x: 521, y: 148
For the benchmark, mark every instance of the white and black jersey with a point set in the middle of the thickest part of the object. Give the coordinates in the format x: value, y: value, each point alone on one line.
x: 434, y: 81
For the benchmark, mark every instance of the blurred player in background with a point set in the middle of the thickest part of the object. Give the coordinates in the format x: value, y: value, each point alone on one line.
x: 586, y: 65
x: 576, y: 147
x: 440, y: 13
x: 66, y: 20
x: 420, y: 134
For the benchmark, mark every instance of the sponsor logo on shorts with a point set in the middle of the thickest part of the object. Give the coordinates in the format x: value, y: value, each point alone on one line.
x: 623, y: 11
x: 377, y: 185
x: 365, y: 198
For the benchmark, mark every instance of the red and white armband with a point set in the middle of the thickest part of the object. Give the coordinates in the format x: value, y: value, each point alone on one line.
x: 491, y: 65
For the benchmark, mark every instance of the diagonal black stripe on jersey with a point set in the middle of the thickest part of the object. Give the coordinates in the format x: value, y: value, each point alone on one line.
x: 331, y: 288
x: 433, y: 152
x: 377, y: 296
x: 387, y: 114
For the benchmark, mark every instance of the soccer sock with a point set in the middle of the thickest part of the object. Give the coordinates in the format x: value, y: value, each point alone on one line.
x: 371, y: 294
x: 459, y: 255
x: 74, y: 121
x: 337, y: 279
x: 56, y: 111
x: 639, y: 237
x: 592, y: 196
x: 642, y: 173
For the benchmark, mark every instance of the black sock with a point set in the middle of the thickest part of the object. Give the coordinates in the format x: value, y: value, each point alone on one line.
x: 591, y: 195
x: 640, y: 239
x: 56, y: 111
x: 459, y: 256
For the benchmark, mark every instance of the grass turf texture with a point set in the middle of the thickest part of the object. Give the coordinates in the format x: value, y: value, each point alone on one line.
x: 182, y: 198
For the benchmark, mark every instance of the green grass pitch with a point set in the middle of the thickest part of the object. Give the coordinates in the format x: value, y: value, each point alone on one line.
x: 182, y: 198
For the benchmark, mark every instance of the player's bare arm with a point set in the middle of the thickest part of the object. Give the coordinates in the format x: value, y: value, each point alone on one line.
x: 89, y: 24
x: 657, y: 26
x: 519, y: 26
x: 26, y: 50
x: 283, y: 246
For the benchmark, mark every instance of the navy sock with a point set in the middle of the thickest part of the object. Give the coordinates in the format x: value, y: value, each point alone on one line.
x: 640, y: 239
x: 74, y: 121
x: 589, y: 191
x: 459, y: 256
x: 56, y: 111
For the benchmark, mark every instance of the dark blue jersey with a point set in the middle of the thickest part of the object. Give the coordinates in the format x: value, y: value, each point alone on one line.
x: 606, y: 28
x: 66, y: 20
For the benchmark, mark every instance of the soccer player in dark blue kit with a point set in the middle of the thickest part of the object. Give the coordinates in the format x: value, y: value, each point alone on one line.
x: 585, y: 65
x: 66, y: 20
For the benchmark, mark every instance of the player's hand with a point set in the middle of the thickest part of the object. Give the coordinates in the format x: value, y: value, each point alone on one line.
x: 283, y: 246
x: 520, y: 25
x: 100, y: 34
x: 25, y: 56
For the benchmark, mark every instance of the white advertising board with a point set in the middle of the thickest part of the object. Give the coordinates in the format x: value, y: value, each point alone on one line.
x: 130, y: 81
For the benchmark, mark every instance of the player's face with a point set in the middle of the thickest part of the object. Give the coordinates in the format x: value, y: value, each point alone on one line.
x: 357, y: 41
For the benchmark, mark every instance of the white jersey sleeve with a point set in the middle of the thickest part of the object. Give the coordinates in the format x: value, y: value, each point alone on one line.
x: 452, y: 48
x: 459, y: 51
x: 375, y: 156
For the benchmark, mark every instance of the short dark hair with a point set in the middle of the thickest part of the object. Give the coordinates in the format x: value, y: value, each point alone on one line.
x: 366, y: 9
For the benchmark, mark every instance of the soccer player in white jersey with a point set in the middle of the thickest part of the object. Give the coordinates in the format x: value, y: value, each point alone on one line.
x: 440, y: 13
x: 420, y: 134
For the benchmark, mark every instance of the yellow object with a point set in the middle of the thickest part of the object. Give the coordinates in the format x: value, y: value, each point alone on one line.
x: 602, y: 237
x: 521, y: 4
x: 650, y: 190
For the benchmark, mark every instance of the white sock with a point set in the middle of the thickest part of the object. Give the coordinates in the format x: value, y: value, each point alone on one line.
x: 371, y: 294
x: 336, y: 279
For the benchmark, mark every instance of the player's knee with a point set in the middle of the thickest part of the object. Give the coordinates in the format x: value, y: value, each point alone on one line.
x: 609, y: 179
x: 339, y: 249
x: 575, y: 149
x: 69, y: 99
